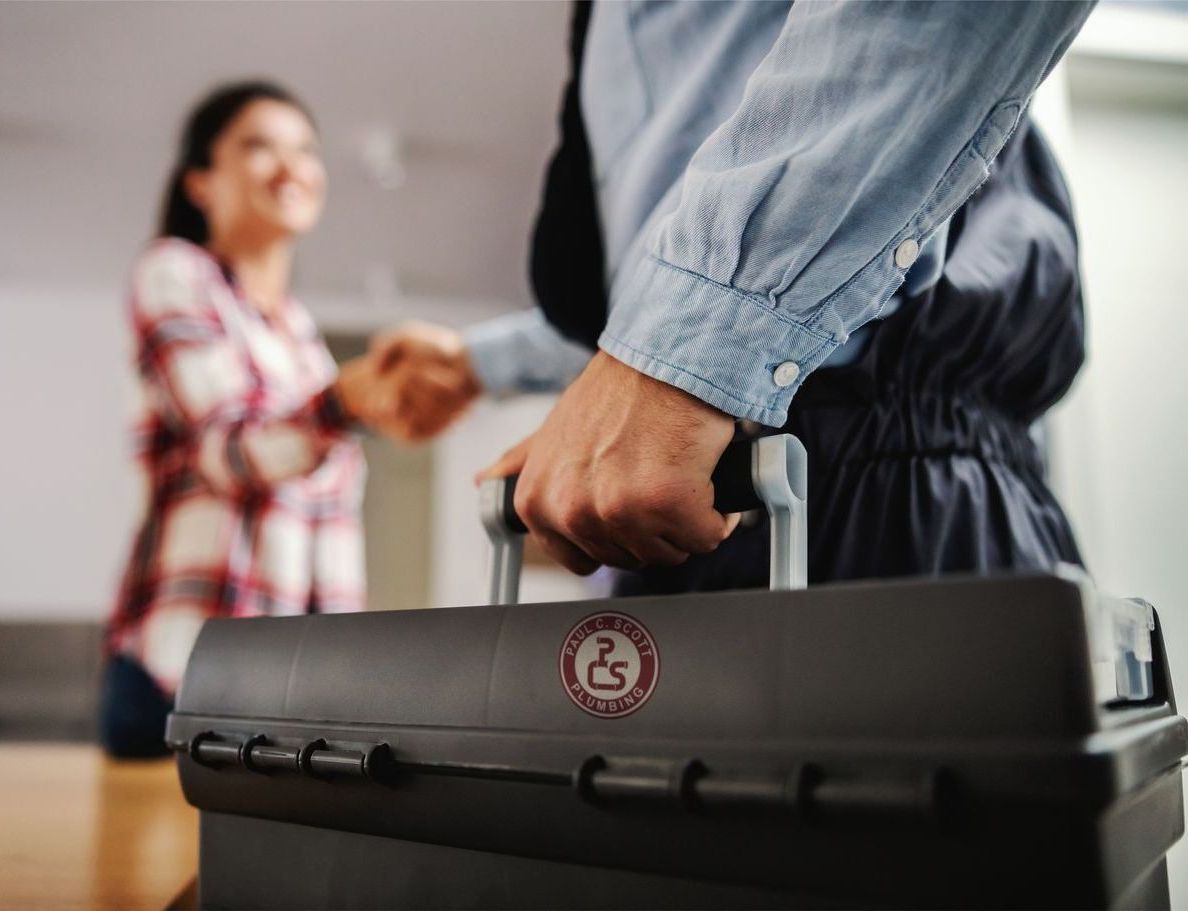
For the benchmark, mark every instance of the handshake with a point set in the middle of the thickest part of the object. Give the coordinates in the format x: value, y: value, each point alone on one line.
x: 619, y: 473
x: 412, y: 384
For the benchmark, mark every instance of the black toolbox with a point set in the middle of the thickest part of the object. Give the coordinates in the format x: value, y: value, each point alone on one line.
x: 979, y: 742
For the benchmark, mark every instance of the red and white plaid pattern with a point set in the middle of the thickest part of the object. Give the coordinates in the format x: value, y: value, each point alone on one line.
x: 254, y: 477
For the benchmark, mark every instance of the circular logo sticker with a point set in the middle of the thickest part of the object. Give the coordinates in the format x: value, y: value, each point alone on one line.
x: 609, y: 664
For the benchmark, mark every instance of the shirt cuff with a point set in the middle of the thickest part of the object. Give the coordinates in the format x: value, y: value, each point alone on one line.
x: 732, y: 350
x: 331, y: 416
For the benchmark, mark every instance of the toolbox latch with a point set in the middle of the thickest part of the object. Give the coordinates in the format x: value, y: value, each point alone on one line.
x: 689, y: 783
x: 315, y: 758
x: 806, y: 790
x: 638, y: 778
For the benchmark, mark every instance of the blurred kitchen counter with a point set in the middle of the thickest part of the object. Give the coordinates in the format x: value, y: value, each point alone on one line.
x: 78, y: 830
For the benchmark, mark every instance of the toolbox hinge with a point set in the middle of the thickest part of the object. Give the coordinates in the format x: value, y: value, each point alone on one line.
x: 314, y: 758
x: 806, y: 790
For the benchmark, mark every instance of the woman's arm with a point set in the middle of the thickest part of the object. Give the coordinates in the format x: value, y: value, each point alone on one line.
x: 205, y: 384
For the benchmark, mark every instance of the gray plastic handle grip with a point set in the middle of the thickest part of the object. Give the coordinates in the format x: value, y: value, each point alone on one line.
x: 779, y: 478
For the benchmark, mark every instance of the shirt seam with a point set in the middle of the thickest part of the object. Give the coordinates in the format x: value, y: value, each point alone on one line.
x: 632, y: 12
x: 684, y: 372
x: 754, y: 300
x: 947, y: 180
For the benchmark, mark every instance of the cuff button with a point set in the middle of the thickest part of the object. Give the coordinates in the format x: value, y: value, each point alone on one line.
x: 906, y: 253
x: 786, y: 373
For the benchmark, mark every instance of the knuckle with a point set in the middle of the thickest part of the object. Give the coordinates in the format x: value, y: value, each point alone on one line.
x: 573, y: 560
x: 583, y: 567
x: 578, y: 519
x: 665, y: 502
x: 671, y: 559
x: 527, y: 505
x: 704, y: 544
x: 658, y: 552
x: 617, y: 509
x: 674, y: 557
x: 622, y: 563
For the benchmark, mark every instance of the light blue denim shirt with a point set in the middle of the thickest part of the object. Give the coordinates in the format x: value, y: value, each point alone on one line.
x: 769, y: 174
x: 520, y: 352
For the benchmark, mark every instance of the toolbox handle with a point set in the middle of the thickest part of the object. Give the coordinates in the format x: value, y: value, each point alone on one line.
x: 771, y: 472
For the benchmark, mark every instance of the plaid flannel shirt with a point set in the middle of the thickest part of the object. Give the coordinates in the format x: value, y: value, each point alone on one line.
x: 254, y: 478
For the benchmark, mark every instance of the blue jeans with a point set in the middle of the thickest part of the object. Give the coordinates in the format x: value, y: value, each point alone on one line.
x: 132, y: 711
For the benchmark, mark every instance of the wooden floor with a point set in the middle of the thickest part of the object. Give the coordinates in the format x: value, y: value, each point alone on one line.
x: 78, y: 830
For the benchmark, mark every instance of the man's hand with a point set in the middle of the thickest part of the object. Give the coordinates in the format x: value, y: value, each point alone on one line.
x: 427, y: 381
x: 619, y: 473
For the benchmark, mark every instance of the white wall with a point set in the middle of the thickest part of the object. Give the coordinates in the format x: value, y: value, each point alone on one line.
x: 69, y: 494
x: 460, y: 548
x: 1121, y: 438
x: 1119, y: 442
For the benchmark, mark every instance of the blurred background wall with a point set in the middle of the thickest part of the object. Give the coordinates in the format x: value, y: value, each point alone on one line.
x: 1119, y: 442
x: 437, y: 122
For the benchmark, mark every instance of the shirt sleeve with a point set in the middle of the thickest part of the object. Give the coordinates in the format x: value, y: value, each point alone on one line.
x: 520, y: 352
x: 862, y: 131
x: 204, y: 383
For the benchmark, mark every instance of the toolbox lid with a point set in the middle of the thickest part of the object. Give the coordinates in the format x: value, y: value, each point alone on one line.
x: 1009, y: 656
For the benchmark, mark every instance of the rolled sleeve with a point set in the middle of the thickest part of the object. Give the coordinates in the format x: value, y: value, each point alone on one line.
x: 860, y: 134
x: 725, y: 347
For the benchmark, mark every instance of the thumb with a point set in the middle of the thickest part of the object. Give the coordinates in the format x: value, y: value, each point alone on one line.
x: 387, y: 349
x: 732, y: 520
x: 511, y: 462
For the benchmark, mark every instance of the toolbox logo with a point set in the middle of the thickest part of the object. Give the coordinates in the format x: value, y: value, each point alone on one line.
x: 609, y: 664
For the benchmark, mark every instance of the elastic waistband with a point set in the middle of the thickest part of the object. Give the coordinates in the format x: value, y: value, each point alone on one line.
x: 844, y: 432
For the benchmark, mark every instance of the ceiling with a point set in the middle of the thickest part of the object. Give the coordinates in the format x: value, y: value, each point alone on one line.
x: 92, y: 97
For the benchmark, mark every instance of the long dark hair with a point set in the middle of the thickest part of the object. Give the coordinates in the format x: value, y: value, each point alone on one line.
x: 179, y: 216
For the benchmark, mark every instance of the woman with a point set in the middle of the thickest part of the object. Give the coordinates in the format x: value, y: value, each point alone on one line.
x: 245, y: 431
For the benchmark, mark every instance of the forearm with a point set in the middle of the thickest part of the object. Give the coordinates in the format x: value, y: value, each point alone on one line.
x: 253, y: 452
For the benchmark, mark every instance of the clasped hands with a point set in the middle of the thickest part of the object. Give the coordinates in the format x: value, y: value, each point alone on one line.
x: 618, y: 473
x: 412, y: 384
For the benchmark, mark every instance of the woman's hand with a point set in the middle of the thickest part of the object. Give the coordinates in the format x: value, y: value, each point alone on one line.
x: 356, y: 382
